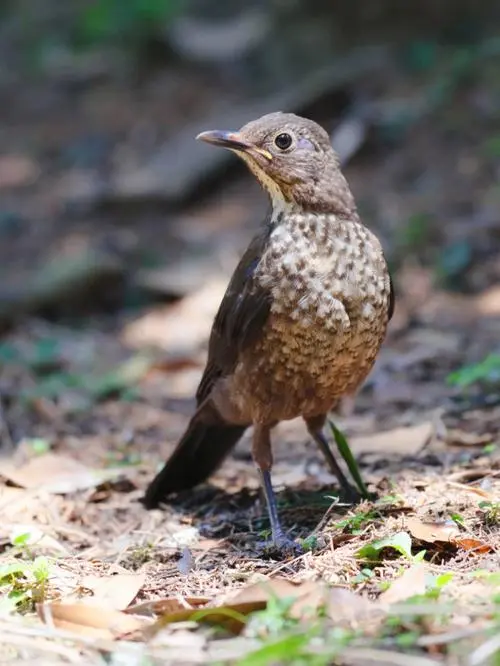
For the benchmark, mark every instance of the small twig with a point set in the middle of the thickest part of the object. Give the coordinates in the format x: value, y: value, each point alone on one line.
x: 324, y: 519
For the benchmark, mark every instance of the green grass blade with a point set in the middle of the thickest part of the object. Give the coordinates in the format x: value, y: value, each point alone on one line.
x: 346, y: 454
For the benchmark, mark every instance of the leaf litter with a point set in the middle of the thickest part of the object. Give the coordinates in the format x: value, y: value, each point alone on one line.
x: 118, y: 574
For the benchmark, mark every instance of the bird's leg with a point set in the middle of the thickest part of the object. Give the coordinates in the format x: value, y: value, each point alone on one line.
x: 263, y: 457
x: 315, y: 427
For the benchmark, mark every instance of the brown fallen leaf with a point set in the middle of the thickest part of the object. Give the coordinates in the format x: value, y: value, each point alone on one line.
x: 475, y: 545
x: 409, y: 584
x: 430, y: 532
x: 445, y: 532
x: 88, y: 620
x: 343, y: 606
x: 401, y: 441
x: 179, y: 328
x: 347, y: 608
x: 308, y: 595
x: 116, y: 591
x: 56, y: 474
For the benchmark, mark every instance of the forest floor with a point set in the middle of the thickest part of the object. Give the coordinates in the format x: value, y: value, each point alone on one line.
x: 89, y: 411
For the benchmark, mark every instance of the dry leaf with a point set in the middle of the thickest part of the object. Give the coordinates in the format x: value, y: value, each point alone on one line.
x: 342, y: 605
x: 402, y: 441
x: 432, y: 531
x: 446, y: 532
x: 179, y: 328
x: 89, y: 620
x: 116, y: 591
x: 308, y: 596
x: 477, y: 546
x: 56, y: 474
x: 347, y: 608
x: 253, y: 598
x: 412, y: 582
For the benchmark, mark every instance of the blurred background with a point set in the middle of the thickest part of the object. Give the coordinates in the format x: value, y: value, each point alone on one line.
x: 118, y: 231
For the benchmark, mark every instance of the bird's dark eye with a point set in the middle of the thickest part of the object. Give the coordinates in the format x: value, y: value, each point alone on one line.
x: 283, y: 141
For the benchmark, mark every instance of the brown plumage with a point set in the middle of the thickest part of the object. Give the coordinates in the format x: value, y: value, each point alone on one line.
x: 304, y: 314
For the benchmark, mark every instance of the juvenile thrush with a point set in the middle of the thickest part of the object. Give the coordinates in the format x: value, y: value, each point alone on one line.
x: 303, y: 317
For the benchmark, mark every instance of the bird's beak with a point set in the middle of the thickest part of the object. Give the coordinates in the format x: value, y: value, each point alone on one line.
x: 233, y: 141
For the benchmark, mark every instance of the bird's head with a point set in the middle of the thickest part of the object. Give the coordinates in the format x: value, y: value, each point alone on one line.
x: 294, y: 161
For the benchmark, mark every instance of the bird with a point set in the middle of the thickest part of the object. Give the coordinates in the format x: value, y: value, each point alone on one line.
x: 303, y: 317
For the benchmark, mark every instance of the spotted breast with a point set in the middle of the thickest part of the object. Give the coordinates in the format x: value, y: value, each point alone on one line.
x: 330, y: 291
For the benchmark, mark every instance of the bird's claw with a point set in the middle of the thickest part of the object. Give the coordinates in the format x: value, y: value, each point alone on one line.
x: 281, y: 547
x: 350, y: 494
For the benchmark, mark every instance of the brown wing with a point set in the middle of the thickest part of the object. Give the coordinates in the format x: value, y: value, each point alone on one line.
x: 241, y: 316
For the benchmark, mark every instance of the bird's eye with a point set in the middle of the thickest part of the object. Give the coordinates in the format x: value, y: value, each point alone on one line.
x: 283, y: 141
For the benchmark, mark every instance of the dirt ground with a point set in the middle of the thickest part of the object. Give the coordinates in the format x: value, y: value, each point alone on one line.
x: 87, y: 416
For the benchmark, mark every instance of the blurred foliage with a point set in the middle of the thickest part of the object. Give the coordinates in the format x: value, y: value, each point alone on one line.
x: 125, y: 23
x: 52, y: 376
x: 36, y: 32
x: 486, y: 371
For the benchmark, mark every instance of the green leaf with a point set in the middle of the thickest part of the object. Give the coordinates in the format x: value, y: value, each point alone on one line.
x: 39, y: 446
x: 443, y: 579
x: 21, y: 539
x: 41, y: 569
x: 407, y: 639
x: 418, y: 557
x: 458, y: 519
x: 283, y: 651
x: 401, y: 542
x: 486, y: 370
x: 15, y: 569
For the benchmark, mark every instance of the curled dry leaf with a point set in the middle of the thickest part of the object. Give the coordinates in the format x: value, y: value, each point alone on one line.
x: 56, y: 474
x: 88, y: 620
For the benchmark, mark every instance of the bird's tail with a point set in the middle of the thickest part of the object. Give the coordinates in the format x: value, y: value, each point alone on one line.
x: 199, y: 453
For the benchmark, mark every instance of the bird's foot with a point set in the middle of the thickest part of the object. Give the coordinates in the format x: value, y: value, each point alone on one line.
x: 350, y: 494
x: 280, y: 547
